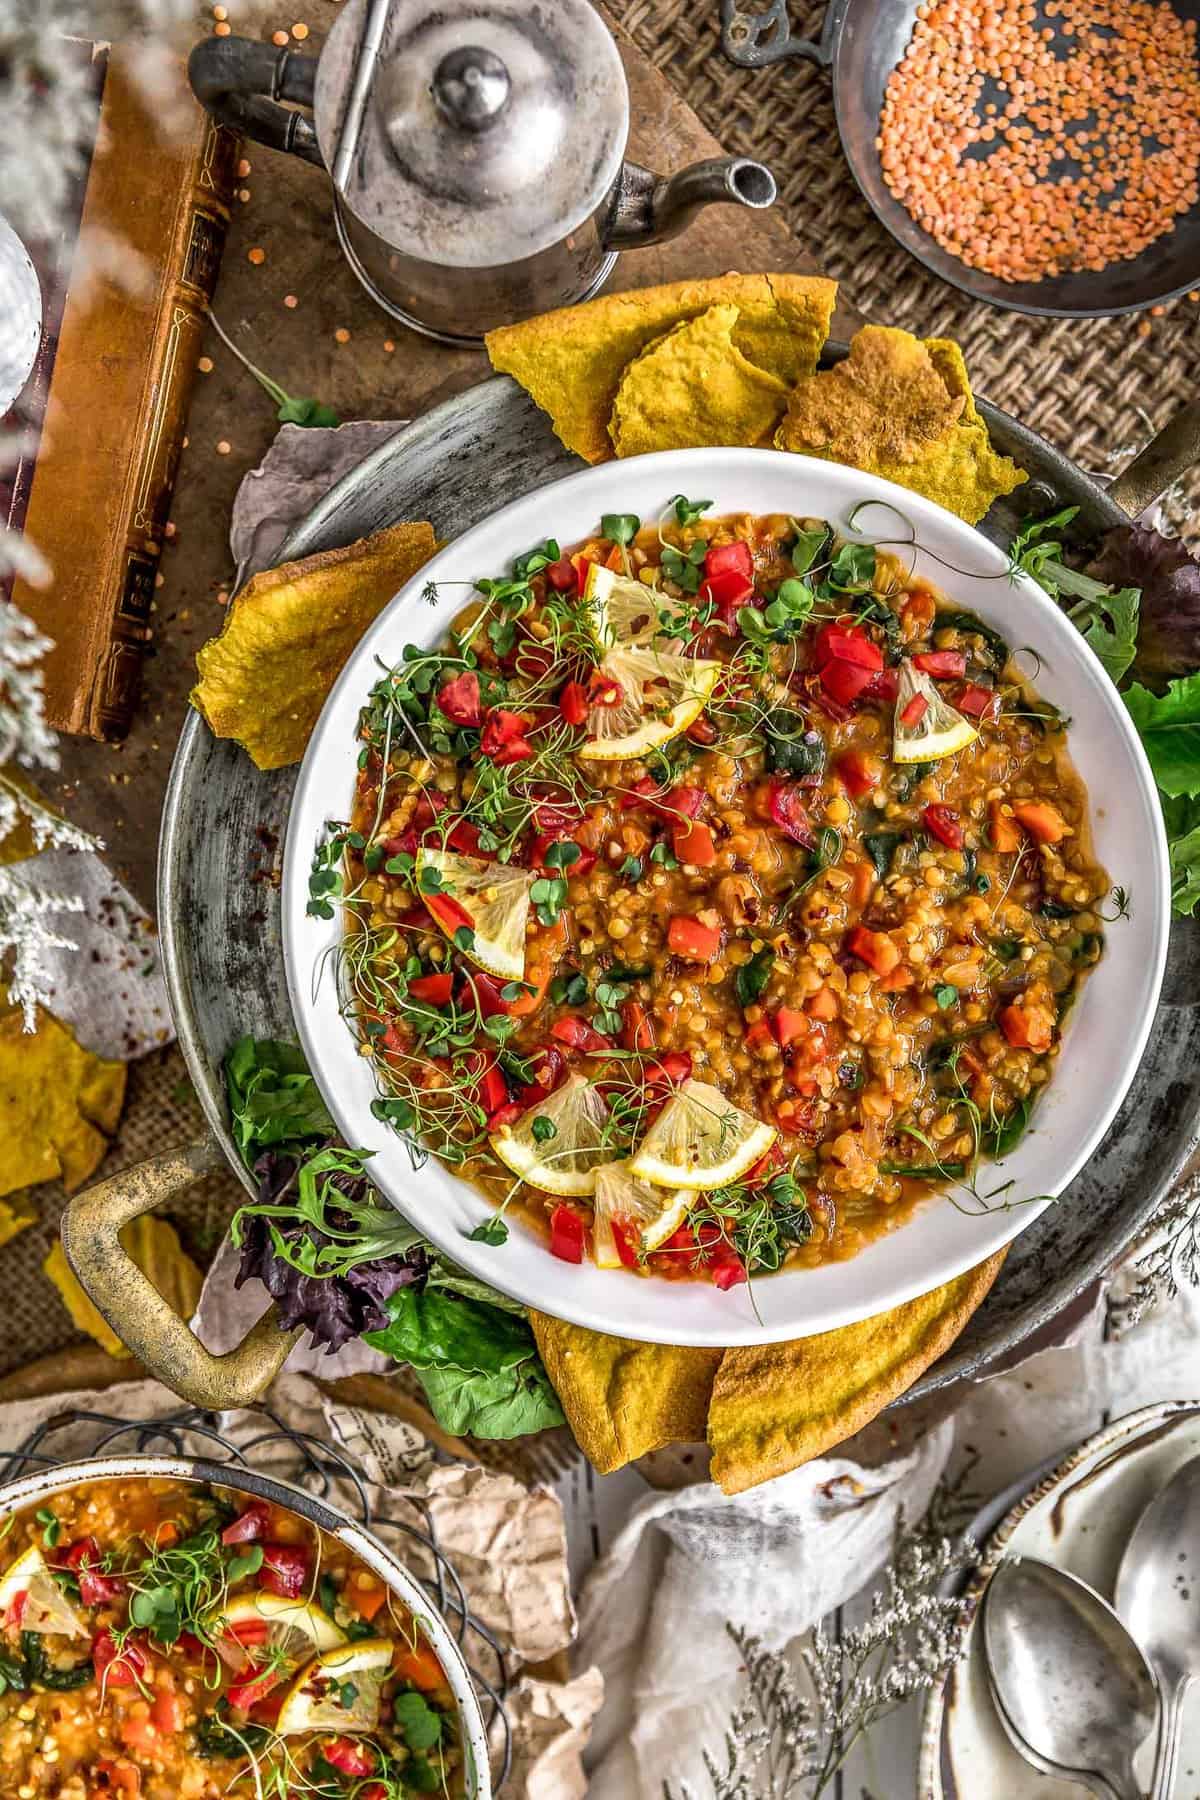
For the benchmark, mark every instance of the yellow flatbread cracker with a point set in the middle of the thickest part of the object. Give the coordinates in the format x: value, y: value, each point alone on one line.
x: 694, y: 387
x: 288, y: 634
x: 623, y: 1399
x: 13, y: 1219
x: 571, y: 361
x: 154, y: 1246
x: 59, y: 1104
x: 902, y: 409
x: 775, y: 1406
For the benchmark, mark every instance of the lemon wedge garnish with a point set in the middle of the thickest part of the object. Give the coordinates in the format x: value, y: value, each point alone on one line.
x: 938, y: 732
x: 495, y: 900
x: 661, y: 694
x: 648, y: 1215
x: 563, y: 1160
x: 700, y: 1139
x: 621, y: 610
x: 294, y: 1628
x: 47, y: 1609
x: 353, y: 1674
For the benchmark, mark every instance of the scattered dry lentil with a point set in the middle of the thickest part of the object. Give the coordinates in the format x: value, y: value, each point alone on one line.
x: 1029, y: 140
x: 257, y: 255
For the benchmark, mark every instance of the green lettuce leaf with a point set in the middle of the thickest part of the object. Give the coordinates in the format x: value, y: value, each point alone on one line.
x: 1109, y: 622
x: 273, y: 1099
x: 1169, y: 727
x: 492, y: 1406
x: 1183, y: 839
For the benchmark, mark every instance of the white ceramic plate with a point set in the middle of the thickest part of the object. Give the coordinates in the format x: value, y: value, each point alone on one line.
x: 1108, y: 1028
x: 1079, y: 1517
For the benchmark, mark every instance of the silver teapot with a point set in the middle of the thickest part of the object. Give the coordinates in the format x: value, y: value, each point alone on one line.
x: 476, y: 151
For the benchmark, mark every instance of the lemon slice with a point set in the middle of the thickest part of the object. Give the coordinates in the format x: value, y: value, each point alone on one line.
x: 623, y: 611
x: 649, y: 1215
x: 294, y: 1628
x: 939, y: 732
x: 565, y: 1160
x: 47, y: 1609
x: 661, y: 695
x: 339, y: 1691
x: 701, y: 1140
x: 495, y: 899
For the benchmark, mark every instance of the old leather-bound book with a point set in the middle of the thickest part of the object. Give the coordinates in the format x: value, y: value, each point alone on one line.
x: 103, y: 413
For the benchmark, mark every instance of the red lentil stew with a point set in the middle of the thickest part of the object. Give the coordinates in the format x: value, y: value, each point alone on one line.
x: 714, y: 894
x: 172, y: 1641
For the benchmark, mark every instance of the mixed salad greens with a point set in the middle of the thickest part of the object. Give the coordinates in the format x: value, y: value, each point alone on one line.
x: 344, y: 1264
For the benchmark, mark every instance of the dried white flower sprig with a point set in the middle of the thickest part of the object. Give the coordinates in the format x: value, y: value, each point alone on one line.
x: 1172, y: 1260
x: 27, y: 936
x: 786, y: 1744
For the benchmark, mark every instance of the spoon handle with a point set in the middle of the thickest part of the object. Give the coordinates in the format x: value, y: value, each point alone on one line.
x: 1168, y: 1741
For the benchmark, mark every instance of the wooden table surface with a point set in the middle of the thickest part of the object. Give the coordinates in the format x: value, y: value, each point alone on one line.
x: 382, y: 371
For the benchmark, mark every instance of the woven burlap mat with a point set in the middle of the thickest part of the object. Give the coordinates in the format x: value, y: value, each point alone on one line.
x: 1096, y: 388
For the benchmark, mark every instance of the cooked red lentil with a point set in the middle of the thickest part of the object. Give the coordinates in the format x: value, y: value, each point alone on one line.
x: 720, y: 881
x: 169, y: 1640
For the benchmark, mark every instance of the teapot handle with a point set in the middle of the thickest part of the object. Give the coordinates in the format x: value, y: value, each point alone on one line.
x: 241, y: 82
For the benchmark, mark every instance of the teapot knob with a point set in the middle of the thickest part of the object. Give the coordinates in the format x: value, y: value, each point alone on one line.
x: 471, y: 87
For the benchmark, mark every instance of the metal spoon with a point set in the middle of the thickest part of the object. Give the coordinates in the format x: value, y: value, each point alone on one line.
x: 1158, y: 1596
x: 1069, y: 1682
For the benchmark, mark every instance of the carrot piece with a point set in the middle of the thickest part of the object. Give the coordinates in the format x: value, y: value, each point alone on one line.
x: 758, y: 1035
x: 899, y: 978
x: 367, y: 1601
x: 822, y: 1005
x: 693, y: 938
x: 863, y: 879
x: 420, y: 1668
x: 692, y: 842
x: 1041, y: 820
x: 788, y: 1024
x: 1028, y: 1027
x: 875, y: 948
x: 1004, y: 832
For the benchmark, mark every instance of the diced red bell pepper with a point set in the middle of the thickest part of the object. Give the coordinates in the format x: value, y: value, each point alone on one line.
x: 975, y: 701
x: 515, y: 751
x: 693, y: 843
x: 285, y: 1570
x: 884, y: 686
x: 728, y: 1269
x: 790, y: 814
x: 464, y: 837
x: 682, y: 800
x: 721, y: 559
x: 449, y: 913
x: 875, y: 948
x: 671, y: 1068
x: 548, y: 1065
x: 502, y: 730
x: 483, y: 990
x: 118, y: 1667
x: 555, y: 821
x: 842, y: 643
x: 242, y: 1695
x: 637, y: 1033
x: 561, y: 575
x: 943, y: 823
x: 508, y: 1114
x: 374, y: 1790
x: 693, y: 938
x: 435, y: 990
x: 625, y: 1239
x: 577, y: 1034
x: 858, y: 773
x: 701, y: 731
x: 537, y: 855
x: 459, y: 699
x: 349, y: 1758
x: 787, y: 1024
x: 943, y: 665
x: 844, y: 681
x: 566, y: 1234
x: 489, y: 1088
x: 119, y: 1777
x: 95, y: 1587
x: 573, y: 703
x: 603, y: 690
x: 914, y: 710
x: 727, y: 589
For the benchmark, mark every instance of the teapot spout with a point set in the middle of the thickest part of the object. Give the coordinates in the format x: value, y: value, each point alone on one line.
x: 645, y: 208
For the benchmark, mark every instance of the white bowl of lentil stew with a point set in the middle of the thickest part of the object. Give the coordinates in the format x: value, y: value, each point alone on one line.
x: 755, y: 959
x: 182, y: 1630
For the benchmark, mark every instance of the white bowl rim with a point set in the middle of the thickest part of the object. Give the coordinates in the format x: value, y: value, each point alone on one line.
x: 42, y: 1484
x: 794, y: 1303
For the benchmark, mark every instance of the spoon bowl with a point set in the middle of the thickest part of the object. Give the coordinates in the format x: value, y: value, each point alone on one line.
x: 1070, y: 1683
x: 1158, y: 1597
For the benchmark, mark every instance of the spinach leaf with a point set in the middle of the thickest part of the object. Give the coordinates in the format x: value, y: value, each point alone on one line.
x: 790, y: 747
x: 975, y: 627
x: 753, y: 976
x: 881, y: 847
x: 1003, y: 1135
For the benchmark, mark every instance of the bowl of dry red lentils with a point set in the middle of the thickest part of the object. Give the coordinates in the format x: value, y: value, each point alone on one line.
x: 1042, y: 155
x: 724, y: 897
x: 181, y: 1630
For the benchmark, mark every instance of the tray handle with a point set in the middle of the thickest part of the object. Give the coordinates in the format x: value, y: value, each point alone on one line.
x: 1170, y: 453
x: 132, y: 1305
x: 755, y: 40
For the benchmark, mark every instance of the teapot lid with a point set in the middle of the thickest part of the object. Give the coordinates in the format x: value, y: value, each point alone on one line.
x: 471, y: 133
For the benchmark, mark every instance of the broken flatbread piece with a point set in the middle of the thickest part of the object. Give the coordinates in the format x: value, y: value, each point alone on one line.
x: 902, y: 409
x: 571, y: 361
x: 59, y: 1104
x: 288, y: 635
x: 623, y: 1399
x: 694, y: 387
x: 154, y: 1246
x: 775, y: 1406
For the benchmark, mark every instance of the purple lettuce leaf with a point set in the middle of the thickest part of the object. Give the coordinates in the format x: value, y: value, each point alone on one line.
x: 1169, y: 578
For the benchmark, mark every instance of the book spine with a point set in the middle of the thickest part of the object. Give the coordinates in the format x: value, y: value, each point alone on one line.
x: 203, y: 220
